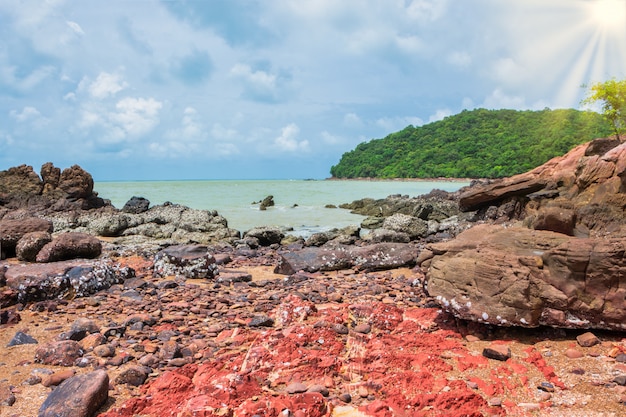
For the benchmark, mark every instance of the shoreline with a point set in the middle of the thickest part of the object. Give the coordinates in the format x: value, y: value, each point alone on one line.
x: 373, y: 179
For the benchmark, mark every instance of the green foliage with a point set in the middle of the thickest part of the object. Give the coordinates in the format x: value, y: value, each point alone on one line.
x: 612, y: 95
x: 473, y: 144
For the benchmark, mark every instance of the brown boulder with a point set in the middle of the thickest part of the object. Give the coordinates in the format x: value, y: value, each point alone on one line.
x: 78, y: 396
x: 51, y: 176
x: 76, y: 182
x: 12, y: 230
x: 517, y: 276
x: 59, y: 353
x: 70, y: 245
x: 20, y: 180
x: 30, y: 244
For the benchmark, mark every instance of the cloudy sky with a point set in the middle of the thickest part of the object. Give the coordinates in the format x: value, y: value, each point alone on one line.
x: 203, y: 89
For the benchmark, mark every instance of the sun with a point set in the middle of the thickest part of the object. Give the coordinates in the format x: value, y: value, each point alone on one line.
x: 608, y: 15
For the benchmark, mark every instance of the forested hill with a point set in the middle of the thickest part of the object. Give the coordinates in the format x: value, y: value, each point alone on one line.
x: 473, y: 144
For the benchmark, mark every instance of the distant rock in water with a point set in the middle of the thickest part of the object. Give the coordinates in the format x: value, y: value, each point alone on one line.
x: 267, y: 202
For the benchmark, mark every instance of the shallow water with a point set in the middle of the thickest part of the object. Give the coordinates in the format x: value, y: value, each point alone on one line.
x: 300, y: 204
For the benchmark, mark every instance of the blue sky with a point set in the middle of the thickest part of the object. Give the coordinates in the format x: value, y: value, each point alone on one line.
x: 218, y: 89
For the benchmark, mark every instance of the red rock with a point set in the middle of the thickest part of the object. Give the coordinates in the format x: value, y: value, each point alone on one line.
x: 57, y: 377
x: 70, y: 245
x: 60, y: 353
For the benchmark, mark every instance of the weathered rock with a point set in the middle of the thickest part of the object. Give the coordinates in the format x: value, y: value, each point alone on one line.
x: 370, y: 257
x: 51, y: 176
x: 12, y: 230
x: 136, y: 205
x: 74, y: 278
x: 517, y: 276
x: 266, y: 235
x: 70, y: 246
x: 22, y: 338
x: 78, y: 396
x: 30, y: 244
x: 190, y: 261
x: 386, y: 235
x: 497, y: 351
x: 134, y: 375
x: 80, y: 329
x: 19, y: 180
x: 267, y: 202
x: 7, y: 397
x: 555, y: 219
x: 76, y: 182
x: 412, y: 226
x: 346, y: 235
x: 59, y: 353
x: 587, y: 339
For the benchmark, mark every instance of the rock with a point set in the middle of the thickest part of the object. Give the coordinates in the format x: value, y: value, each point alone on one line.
x: 261, y: 321
x: 587, y: 339
x: 266, y: 202
x: 136, y: 205
x: 70, y: 246
x: 51, y: 176
x: 497, y: 351
x: 75, y: 278
x: 7, y: 398
x: 412, y: 226
x: 266, y: 235
x: 11, y: 231
x: 20, y: 180
x: 80, y: 329
x: 295, y: 388
x: 78, y: 396
x: 370, y: 257
x: 134, y: 375
x: 30, y: 244
x: 386, y: 235
x: 620, y: 380
x: 104, y: 351
x: 21, y: 338
x: 555, y: 219
x: 190, y: 261
x: 362, y: 328
x: 60, y: 353
x: 516, y: 276
x: 57, y: 377
x: 76, y: 183
x: 573, y: 353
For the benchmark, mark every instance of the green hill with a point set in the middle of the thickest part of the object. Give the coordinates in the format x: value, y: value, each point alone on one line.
x: 473, y: 144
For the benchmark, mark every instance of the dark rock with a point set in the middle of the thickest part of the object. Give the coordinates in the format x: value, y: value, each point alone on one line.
x: 80, y: 329
x: 20, y: 180
x: 136, y: 205
x: 497, y: 351
x: 261, y: 321
x: 267, y: 202
x: 78, y: 396
x: 265, y: 235
x: 75, y: 278
x: 21, y: 338
x: 30, y: 244
x: 620, y: 380
x: 70, y: 245
x: 76, y: 183
x: 51, y: 176
x: 190, y: 261
x: 134, y: 375
x: 60, y: 353
x: 370, y: 257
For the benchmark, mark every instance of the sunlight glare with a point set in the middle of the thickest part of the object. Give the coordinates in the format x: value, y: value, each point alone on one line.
x: 609, y: 15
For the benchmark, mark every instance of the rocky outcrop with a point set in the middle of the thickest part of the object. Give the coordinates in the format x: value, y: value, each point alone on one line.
x: 518, y: 276
x: 72, y: 188
x: 336, y: 257
x: 580, y: 193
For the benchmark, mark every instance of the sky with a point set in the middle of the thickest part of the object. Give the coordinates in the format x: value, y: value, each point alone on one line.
x: 277, y: 89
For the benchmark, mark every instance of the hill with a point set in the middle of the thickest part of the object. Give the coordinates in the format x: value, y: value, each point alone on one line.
x: 473, y: 144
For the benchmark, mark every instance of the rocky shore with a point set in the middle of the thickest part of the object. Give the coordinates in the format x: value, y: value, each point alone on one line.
x: 505, y: 298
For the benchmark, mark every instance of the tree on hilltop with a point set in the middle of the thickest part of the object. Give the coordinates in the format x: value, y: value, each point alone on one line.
x: 612, y: 95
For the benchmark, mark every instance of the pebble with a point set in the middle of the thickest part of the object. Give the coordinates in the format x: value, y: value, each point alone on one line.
x: 296, y: 388
x: 573, y: 353
x: 363, y: 328
x: 529, y: 406
x: 497, y: 351
x: 620, y: 380
x: 345, y: 397
x: 587, y: 339
x: 495, y: 402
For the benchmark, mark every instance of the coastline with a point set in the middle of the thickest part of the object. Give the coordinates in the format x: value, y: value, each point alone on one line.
x: 375, y: 179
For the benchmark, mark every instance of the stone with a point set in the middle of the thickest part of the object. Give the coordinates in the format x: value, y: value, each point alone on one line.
x: 620, y: 380
x: 104, y: 351
x: 517, y: 276
x: 78, y: 396
x: 261, y: 321
x: 134, y: 375
x: 497, y: 351
x: 363, y: 328
x: 295, y: 388
x: 414, y: 227
x: 57, y: 377
x: 70, y: 245
x: 369, y: 257
x: 59, y: 353
x: 574, y: 353
x: 11, y: 231
x: 190, y: 261
x: 587, y: 339
x: 80, y: 329
x: 30, y: 244
x: 136, y: 205
x: 65, y: 279
x: 76, y: 183
x: 21, y: 338
x: 266, y: 235
x: 7, y: 397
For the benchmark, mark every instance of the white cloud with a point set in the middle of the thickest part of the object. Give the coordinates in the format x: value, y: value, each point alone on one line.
x: 393, y: 124
x: 106, y: 85
x: 288, y: 140
x: 460, y: 59
x: 440, y: 114
x: 137, y: 116
x: 75, y: 27
x: 331, y: 139
x: 27, y: 113
x: 499, y: 100
x: 352, y: 120
x: 190, y: 128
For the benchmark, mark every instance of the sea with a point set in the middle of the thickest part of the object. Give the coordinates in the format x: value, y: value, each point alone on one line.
x: 300, y: 205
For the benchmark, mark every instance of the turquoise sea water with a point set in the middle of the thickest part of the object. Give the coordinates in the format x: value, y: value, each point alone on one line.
x: 233, y: 199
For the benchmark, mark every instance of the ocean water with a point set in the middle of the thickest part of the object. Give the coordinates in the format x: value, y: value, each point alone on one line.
x: 299, y: 204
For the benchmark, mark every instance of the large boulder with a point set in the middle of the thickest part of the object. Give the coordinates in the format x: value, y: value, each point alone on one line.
x: 379, y: 256
x: 78, y: 396
x: 12, y: 230
x: 67, y: 279
x: 70, y: 246
x: 518, y: 276
x: 190, y: 261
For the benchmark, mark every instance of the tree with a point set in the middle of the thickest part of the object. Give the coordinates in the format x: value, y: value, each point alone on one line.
x: 612, y: 95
